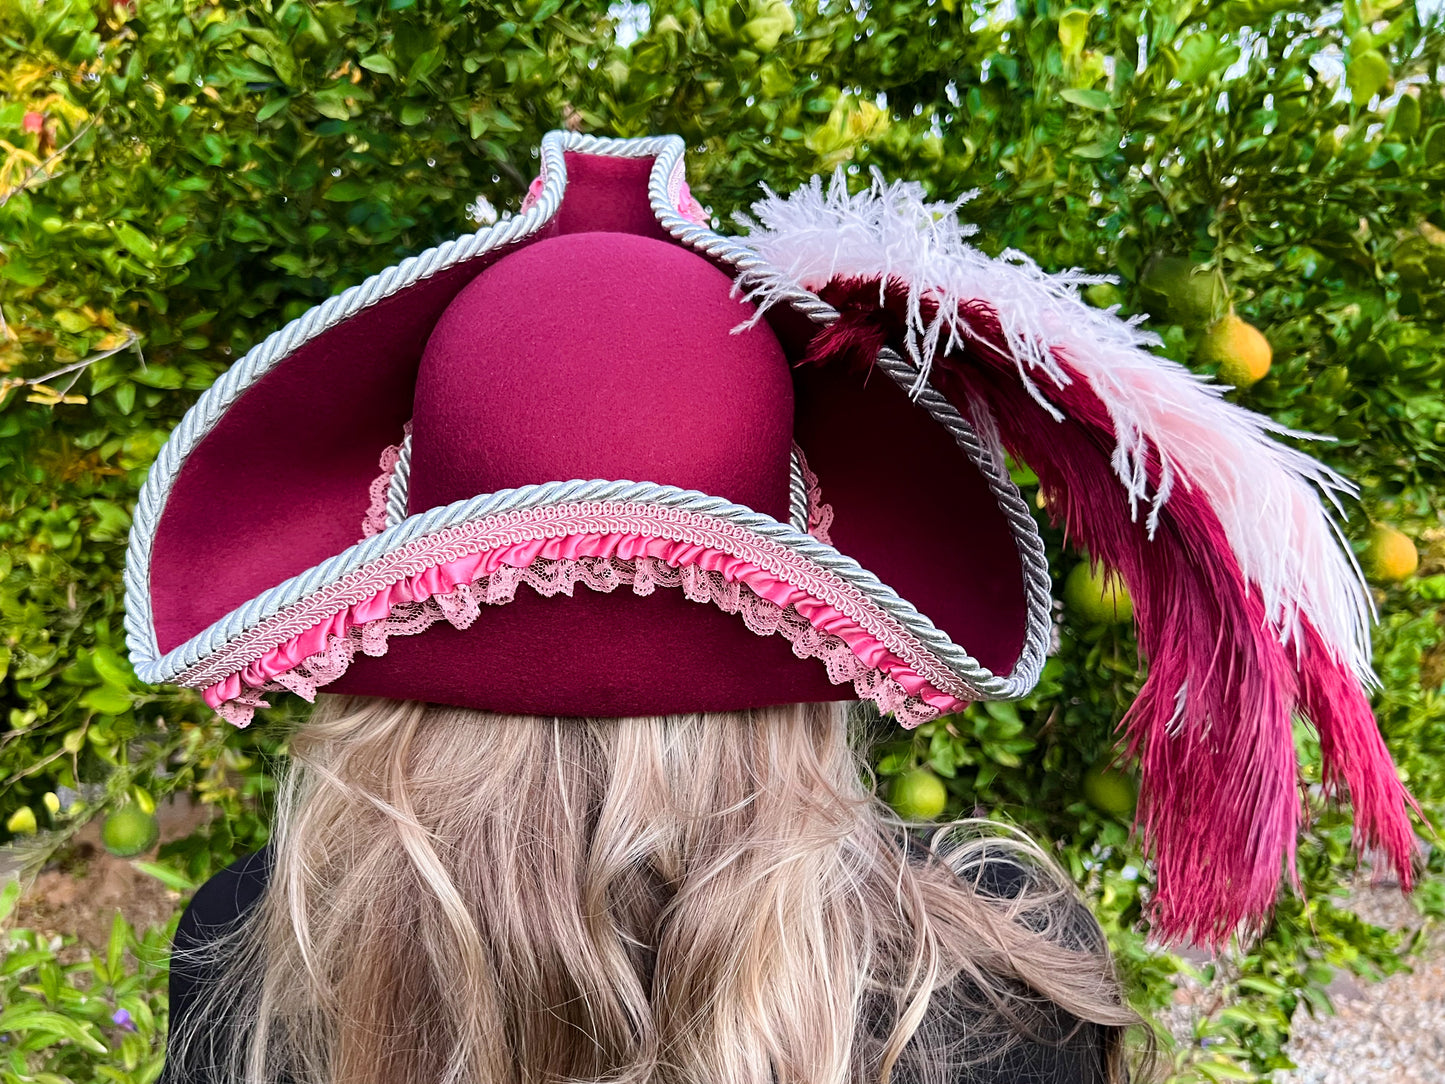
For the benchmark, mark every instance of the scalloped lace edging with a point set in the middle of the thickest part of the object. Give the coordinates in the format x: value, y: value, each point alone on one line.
x: 560, y: 576
x: 820, y: 513
x: 379, y: 492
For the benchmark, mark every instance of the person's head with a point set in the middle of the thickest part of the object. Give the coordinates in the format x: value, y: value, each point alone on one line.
x: 466, y: 897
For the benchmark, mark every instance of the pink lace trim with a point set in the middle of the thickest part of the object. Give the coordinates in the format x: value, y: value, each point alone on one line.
x: 439, y: 563
x: 375, y: 521
x: 534, y: 192
x: 820, y: 514
x: 681, y: 196
x: 461, y: 607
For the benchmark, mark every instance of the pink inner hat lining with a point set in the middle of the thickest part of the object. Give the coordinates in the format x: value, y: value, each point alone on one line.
x: 602, y: 545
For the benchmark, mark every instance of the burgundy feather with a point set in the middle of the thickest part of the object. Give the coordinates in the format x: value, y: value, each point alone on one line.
x: 1219, y: 808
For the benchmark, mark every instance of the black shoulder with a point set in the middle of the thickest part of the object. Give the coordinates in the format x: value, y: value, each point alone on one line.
x: 1045, y: 1044
x: 215, y: 909
x: 223, y: 899
x: 1005, y: 876
x: 963, y: 1039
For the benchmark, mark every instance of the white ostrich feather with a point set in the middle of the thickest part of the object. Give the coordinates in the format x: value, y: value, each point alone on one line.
x: 1268, y: 497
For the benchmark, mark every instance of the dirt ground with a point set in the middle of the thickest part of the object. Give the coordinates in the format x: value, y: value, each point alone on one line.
x: 81, y: 891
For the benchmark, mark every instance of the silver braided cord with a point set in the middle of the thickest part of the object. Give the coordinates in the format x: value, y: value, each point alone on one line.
x: 797, y: 493
x: 667, y: 153
x: 988, y: 457
x: 399, y: 489
x: 703, y: 240
x: 642, y: 147
x: 978, y: 678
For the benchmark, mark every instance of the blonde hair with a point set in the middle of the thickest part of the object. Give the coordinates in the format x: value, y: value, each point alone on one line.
x: 466, y: 898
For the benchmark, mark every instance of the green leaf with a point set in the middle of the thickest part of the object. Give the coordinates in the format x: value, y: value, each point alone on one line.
x: 1366, y: 76
x: 115, y: 947
x: 111, y: 668
x: 1097, y: 100
x: 107, y: 700
x: 138, y: 243
x: 347, y: 190
x: 168, y: 877
x: 1218, y: 1070
x: 1435, y: 146
x: 1202, y: 55
x: 43, y: 1023
x: 1405, y: 119
x: 380, y: 64
x: 17, y: 270
x: 271, y: 108
x: 72, y: 322
x: 1074, y: 31
x: 332, y: 105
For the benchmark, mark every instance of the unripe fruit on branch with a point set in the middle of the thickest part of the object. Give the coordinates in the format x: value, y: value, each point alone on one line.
x: 1239, y: 349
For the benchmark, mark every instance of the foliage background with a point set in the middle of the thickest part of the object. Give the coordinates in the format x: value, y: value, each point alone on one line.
x: 178, y: 178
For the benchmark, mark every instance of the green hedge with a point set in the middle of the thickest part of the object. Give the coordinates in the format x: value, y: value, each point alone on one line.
x: 180, y: 178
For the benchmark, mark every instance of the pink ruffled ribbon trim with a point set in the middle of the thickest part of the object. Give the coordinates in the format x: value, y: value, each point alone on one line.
x: 455, y: 591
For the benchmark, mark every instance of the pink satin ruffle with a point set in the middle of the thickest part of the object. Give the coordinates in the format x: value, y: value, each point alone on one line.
x: 441, y: 579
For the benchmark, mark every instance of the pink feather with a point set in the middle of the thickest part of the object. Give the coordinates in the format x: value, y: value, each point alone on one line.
x: 1220, y: 807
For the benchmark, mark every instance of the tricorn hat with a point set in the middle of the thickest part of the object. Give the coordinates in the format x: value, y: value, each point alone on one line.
x: 762, y: 469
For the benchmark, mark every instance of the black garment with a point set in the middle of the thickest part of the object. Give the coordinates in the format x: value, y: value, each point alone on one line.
x: 1077, y: 1059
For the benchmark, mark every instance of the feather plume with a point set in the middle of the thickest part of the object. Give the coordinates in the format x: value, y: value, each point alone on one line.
x: 1249, y: 607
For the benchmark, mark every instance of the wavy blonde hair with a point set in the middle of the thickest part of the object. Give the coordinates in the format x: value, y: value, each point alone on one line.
x: 467, y: 898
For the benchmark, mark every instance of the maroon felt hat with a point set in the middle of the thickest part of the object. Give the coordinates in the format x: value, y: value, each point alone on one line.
x: 759, y: 470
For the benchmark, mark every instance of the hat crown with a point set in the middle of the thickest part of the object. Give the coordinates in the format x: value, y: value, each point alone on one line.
x: 602, y: 355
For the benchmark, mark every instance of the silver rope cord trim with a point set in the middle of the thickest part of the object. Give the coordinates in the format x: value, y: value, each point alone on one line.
x: 398, y: 489
x: 988, y: 457
x: 797, y: 493
x: 983, y: 682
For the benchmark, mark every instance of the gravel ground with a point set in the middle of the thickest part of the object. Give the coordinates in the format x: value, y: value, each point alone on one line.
x: 1387, y: 1031
x: 1392, y: 1031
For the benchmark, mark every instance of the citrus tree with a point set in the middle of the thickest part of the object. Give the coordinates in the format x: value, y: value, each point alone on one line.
x: 178, y: 178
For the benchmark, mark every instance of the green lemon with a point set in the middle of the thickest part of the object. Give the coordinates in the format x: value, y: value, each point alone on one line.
x: 129, y: 831
x: 1103, y: 294
x: 1185, y: 293
x: 1110, y: 791
x: 918, y: 795
x: 1097, y: 597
